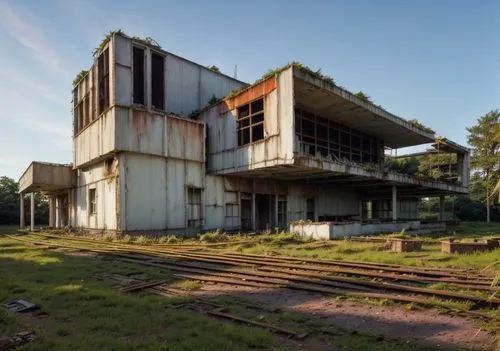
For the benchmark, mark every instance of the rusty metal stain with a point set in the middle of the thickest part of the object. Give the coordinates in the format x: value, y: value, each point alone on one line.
x: 252, y: 93
x: 140, y: 121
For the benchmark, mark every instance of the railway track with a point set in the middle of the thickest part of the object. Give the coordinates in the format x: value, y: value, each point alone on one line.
x: 250, y: 271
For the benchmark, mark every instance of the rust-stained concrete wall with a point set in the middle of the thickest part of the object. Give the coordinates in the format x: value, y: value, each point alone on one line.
x: 276, y: 148
x: 105, y: 182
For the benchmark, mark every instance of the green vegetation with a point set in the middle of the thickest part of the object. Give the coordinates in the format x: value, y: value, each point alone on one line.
x: 148, y: 41
x: 187, y: 284
x: 9, y: 204
x: 416, y: 123
x: 88, y: 314
x: 363, y: 96
x: 214, y: 68
x: 214, y: 237
x: 79, y: 77
x: 105, y: 41
x: 484, y: 137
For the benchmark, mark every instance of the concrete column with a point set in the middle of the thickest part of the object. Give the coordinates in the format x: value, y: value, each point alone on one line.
x: 32, y: 212
x: 441, y: 208
x: 51, y: 211
x: 276, y: 210
x: 254, y: 211
x: 57, y: 213
x: 394, y: 204
x: 21, y: 210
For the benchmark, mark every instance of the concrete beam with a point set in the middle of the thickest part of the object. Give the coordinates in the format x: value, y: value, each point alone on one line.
x: 21, y: 210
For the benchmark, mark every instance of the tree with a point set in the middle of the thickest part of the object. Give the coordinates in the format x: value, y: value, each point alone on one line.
x: 9, y: 204
x: 485, y: 159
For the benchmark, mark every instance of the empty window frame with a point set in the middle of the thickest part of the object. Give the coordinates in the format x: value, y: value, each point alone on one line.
x: 310, y: 209
x: 157, y: 81
x: 103, y: 80
x: 92, y: 201
x: 138, y: 67
x: 322, y: 136
x: 251, y: 122
x: 232, y: 215
x: 194, y: 207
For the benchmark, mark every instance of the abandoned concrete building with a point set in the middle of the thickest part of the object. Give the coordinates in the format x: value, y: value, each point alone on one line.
x: 165, y: 145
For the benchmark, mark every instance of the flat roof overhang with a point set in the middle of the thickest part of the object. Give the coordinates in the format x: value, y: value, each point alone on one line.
x: 46, y: 178
x: 372, y: 184
x: 336, y: 103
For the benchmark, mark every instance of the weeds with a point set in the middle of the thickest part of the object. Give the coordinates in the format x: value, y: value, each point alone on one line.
x: 214, y: 237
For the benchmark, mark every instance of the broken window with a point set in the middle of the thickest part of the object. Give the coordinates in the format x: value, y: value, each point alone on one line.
x: 138, y: 67
x: 194, y: 207
x: 92, y: 201
x: 232, y: 215
x: 319, y: 136
x: 251, y: 122
x: 157, y: 81
x: 310, y: 209
x: 103, y: 80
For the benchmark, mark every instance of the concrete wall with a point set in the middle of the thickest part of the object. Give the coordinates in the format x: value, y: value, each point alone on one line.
x: 188, y: 86
x: 155, y: 191
x: 329, y: 230
x: 226, y: 157
x: 106, y: 185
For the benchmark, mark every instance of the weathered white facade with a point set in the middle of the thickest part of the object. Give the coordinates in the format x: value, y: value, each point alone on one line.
x: 162, y: 144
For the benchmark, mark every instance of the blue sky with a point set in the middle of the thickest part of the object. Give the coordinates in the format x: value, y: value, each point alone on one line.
x: 437, y: 61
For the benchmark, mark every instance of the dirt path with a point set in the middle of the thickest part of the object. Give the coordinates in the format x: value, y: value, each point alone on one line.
x: 427, y: 327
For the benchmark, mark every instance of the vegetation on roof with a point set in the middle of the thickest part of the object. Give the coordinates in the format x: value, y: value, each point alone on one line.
x: 363, y: 96
x: 105, y: 41
x: 416, y: 123
x: 79, y: 77
x: 148, y: 41
x: 214, y: 68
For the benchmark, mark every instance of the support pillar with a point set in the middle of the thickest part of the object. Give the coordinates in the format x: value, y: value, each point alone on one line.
x: 254, y: 210
x: 441, y: 208
x: 32, y: 212
x: 52, y: 212
x: 21, y: 210
x: 57, y: 212
x: 394, y: 204
x: 276, y: 224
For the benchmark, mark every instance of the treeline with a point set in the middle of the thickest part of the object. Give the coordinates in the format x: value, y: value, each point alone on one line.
x: 9, y: 204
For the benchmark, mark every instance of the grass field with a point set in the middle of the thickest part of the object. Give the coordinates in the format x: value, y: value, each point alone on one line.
x: 85, y: 313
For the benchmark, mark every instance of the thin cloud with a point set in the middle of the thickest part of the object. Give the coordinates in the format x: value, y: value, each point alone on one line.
x: 46, y: 91
x: 30, y: 37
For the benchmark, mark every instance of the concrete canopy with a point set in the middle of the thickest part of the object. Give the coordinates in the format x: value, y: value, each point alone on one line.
x: 334, y: 102
x: 46, y: 177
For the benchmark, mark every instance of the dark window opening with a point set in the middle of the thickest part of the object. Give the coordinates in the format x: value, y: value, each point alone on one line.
x: 310, y: 209
x: 92, y: 201
x: 138, y: 62
x: 194, y: 208
x: 319, y: 136
x: 103, y: 80
x: 282, y: 203
x: 251, y: 122
x: 157, y: 81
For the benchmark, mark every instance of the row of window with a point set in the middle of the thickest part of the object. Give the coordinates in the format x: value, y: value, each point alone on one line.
x: 157, y: 88
x: 96, y: 96
x: 321, y: 135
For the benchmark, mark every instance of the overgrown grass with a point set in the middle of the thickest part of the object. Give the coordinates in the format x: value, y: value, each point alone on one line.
x: 187, y: 284
x: 87, y: 314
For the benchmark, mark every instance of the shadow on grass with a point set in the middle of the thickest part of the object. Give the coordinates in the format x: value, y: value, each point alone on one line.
x: 87, y: 314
